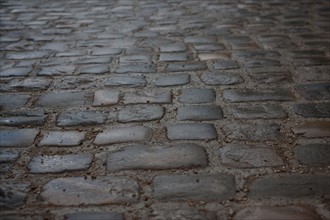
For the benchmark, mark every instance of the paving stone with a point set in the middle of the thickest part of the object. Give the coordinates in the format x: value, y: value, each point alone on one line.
x: 13, y: 101
x: 266, y: 111
x: 199, y: 113
x: 216, y: 78
x: 8, y: 155
x: 27, y: 217
x: 127, y: 81
x: 317, y: 91
x: 140, y: 58
x: 271, y: 77
x: 157, y: 157
x: 33, y: 83
x: 75, y: 82
x: 106, y: 51
x: 225, y: 65
x: 163, y: 211
x: 194, y: 187
x: 104, y: 60
x: 306, y: 53
x: 197, y: 95
x: 214, y: 56
x: 138, y: 50
x: 175, y: 67
x: 198, y: 39
x: 261, y: 63
x: 80, y: 118
x: 297, y: 212
x: 17, y: 137
x: 16, y: 71
x: 251, y: 95
x: 75, y: 191
x: 17, y: 118
x: 136, y: 113
x: 173, y: 57
x: 249, y: 54
x: 56, y: 70
x: 27, y: 55
x: 254, y: 132
x: 71, y: 53
x: 13, y: 194
x: 310, y: 61
x: 60, y: 163
x: 123, y: 134
x: 61, y: 138
x: 313, y: 154
x: 5, y: 168
x: 290, y: 186
x: 148, y: 96
x: 95, y: 69
x: 312, y: 129
x: 249, y: 156
x: 209, y: 46
x: 173, y: 80
x: 176, y: 47
x: 136, y: 68
x: 196, y: 131
x: 105, y: 97
x: 56, y: 100
x: 313, y: 110
x: 313, y: 73
x: 94, y: 216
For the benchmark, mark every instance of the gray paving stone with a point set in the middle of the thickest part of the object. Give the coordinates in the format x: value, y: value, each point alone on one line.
x: 105, y: 97
x: 195, y: 131
x: 216, y: 78
x: 27, y: 55
x: 17, y: 118
x: 277, y: 212
x: 271, y: 77
x: 58, y: 70
x: 5, y: 167
x: 306, y: 53
x: 199, y: 39
x: 313, y: 110
x: 226, y: 65
x: 60, y: 163
x: 28, y: 84
x: 215, y: 187
x: 123, y: 134
x: 136, y: 113
x: 71, y: 53
x: 95, y: 69
x: 313, y: 73
x: 179, y: 211
x: 61, y: 138
x: 127, y: 81
x: 62, y: 100
x: 18, y: 137
x: 8, y: 155
x: 106, y: 51
x: 139, y: 50
x: 214, y: 56
x: 176, y: 67
x: 75, y: 191
x: 261, y: 63
x: 209, y: 46
x: 266, y: 111
x: 80, y: 118
x: 290, y: 186
x: 317, y: 91
x: 101, y: 60
x: 173, y: 57
x: 157, y: 157
x: 13, y: 194
x: 176, y: 47
x: 139, y: 58
x: 249, y: 54
x: 313, y: 154
x: 13, y: 101
x: 27, y: 216
x: 199, y: 113
x: 312, y: 129
x: 197, y: 95
x: 75, y: 82
x: 254, y: 132
x: 136, y: 68
x: 148, y: 96
x: 94, y: 216
x: 16, y: 71
x: 251, y: 95
x: 249, y: 156
x: 173, y: 80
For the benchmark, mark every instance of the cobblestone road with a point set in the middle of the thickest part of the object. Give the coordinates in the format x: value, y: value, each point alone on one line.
x: 165, y: 109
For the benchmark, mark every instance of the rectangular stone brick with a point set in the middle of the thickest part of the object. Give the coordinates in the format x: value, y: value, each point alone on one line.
x: 57, y: 70
x: 17, y: 118
x: 136, y: 68
x: 94, y: 216
x: 312, y: 129
x: 313, y: 110
x: 173, y: 57
x: 134, y: 113
x: 217, y: 78
x: 17, y: 137
x: 148, y: 96
x: 215, y: 187
x: 80, y: 118
x: 27, y: 55
x: 197, y: 95
x: 28, y: 84
x: 175, y: 67
x: 13, y: 101
x: 290, y: 186
x: 313, y: 154
x: 157, y: 157
x: 252, y: 95
x: 102, y: 190
x: 55, y: 100
x: 172, y: 80
x: 316, y: 91
x: 13, y: 195
x: 16, y: 71
x: 196, y: 131
x: 271, y: 77
x: 127, y: 81
x: 123, y: 134
x: 266, y: 111
x: 61, y: 138
x: 105, y: 97
x: 60, y: 163
x: 8, y: 155
x: 199, y: 113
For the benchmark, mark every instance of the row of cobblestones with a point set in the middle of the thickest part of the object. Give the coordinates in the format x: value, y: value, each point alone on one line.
x: 125, y: 109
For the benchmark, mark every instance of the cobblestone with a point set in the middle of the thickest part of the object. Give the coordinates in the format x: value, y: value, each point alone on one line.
x: 94, y: 215
x: 267, y: 111
x: 199, y: 113
x: 313, y: 110
x: 61, y: 138
x: 129, y: 81
x: 13, y: 195
x: 80, y: 118
x: 248, y: 95
x: 16, y: 118
x: 225, y: 65
x: 173, y: 80
x: 55, y: 100
x: 175, y: 67
x: 192, y: 131
x: 312, y: 129
x: 18, y: 137
x: 8, y: 155
x: 140, y: 113
x: 157, y: 157
x: 18, y: 71
x: 313, y: 154
x: 197, y: 95
x: 318, y: 91
x: 215, y: 78
x: 151, y: 96
x: 105, y: 97
x: 13, y: 101
x: 28, y: 84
